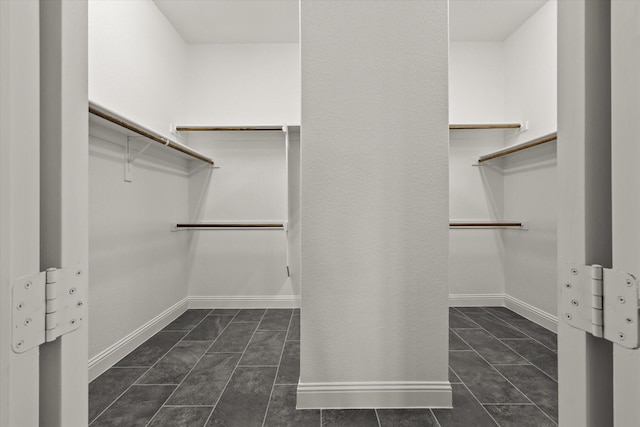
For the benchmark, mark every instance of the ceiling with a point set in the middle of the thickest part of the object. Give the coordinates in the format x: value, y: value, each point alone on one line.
x: 488, y: 20
x: 276, y: 21
x: 233, y: 21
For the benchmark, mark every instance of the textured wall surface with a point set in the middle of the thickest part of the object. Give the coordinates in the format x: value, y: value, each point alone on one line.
x: 374, y: 191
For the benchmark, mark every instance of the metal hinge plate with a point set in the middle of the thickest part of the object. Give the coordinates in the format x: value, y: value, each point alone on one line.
x: 601, y: 301
x: 46, y: 305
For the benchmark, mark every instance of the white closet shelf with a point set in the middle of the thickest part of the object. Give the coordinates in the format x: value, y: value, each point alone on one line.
x: 469, y: 126
x: 135, y: 128
x: 519, y: 147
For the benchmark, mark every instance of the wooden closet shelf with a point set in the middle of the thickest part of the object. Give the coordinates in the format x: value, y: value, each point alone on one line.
x: 519, y: 147
x: 485, y: 126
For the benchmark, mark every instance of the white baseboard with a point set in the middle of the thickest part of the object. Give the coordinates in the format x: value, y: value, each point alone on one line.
x: 252, y: 301
x: 354, y: 395
x: 532, y: 313
x: 476, y: 300
x: 114, y: 353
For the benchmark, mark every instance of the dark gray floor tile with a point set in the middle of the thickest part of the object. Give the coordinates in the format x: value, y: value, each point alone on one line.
x: 108, y: 386
x: 294, y: 329
x: 289, y: 370
x: 244, y: 401
x: 209, y: 329
x: 504, y: 313
x: 173, y: 367
x: 537, y: 386
x: 537, y: 332
x: 264, y: 348
x: 181, y: 416
x: 457, y: 320
x: 296, y: 311
x: 225, y: 311
x: 455, y: 343
x: 453, y: 378
x: 489, y: 347
x: 349, y: 418
x: 283, y: 413
x: 406, y: 418
x: 187, y: 320
x: 539, y: 355
x: 249, y: 315
x: 235, y: 338
x: 495, y: 326
x: 466, y: 411
x: 136, y: 407
x: 276, y: 320
x: 519, y: 416
x: 206, y: 381
x: 152, y: 350
x: 483, y: 381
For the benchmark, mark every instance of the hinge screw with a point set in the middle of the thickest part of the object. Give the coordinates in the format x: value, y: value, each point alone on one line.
x: 72, y: 322
x: 27, y: 322
x: 620, y: 336
x: 20, y: 305
x: 79, y: 304
x: 19, y: 343
x: 621, y: 300
x: 78, y: 273
x: 27, y: 285
x: 567, y: 285
x: 629, y: 282
x: 568, y: 316
x: 575, y: 302
x: 628, y: 320
x: 72, y: 291
x: 574, y: 271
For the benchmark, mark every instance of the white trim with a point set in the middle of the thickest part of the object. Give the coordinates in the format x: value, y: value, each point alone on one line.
x: 104, y: 360
x: 528, y: 311
x: 249, y: 301
x: 387, y: 394
x: 532, y: 313
x: 476, y: 300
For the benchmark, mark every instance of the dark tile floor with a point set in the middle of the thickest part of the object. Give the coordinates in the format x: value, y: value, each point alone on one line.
x: 240, y: 368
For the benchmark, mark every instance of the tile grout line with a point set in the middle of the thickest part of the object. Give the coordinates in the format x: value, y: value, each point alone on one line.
x: 193, y: 367
x: 521, y: 331
x: 148, y: 368
x: 500, y: 373
x: 476, y: 399
x: 375, y: 411
x: 434, y: 415
x: 234, y: 369
x: 275, y: 378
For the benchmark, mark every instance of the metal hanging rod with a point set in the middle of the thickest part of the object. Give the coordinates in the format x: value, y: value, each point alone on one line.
x: 102, y: 112
x: 227, y: 225
x: 226, y: 128
x: 519, y: 147
x: 478, y: 224
x: 485, y: 126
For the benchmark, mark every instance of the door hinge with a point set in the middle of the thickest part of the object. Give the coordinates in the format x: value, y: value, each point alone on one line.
x: 601, y: 301
x: 46, y: 305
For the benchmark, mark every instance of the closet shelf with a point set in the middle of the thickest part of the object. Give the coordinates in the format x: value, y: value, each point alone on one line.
x: 229, y: 226
x: 489, y: 224
x: 465, y: 126
x: 112, y: 117
x: 227, y: 128
x: 519, y: 147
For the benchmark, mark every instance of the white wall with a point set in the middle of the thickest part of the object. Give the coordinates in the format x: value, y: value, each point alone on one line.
x: 295, y: 225
x: 530, y: 177
x: 242, y: 84
x: 476, y: 82
x: 138, y: 268
x: 374, y: 203
x: 476, y: 256
x: 250, y: 186
x: 137, y: 63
